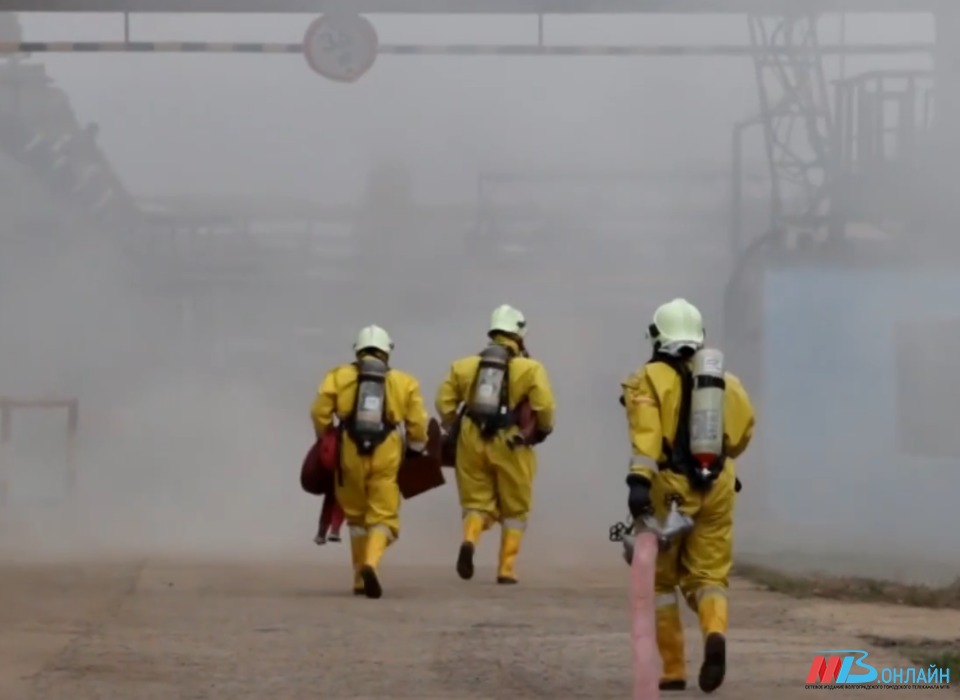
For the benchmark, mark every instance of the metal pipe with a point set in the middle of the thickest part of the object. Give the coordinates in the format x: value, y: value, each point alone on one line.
x: 473, y: 7
x: 674, y: 50
x: 736, y: 185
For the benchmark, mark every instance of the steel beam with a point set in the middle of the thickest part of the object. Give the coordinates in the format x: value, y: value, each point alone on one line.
x: 476, y: 7
x: 676, y: 50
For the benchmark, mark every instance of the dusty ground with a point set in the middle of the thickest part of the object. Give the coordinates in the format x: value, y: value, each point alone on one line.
x: 157, y: 629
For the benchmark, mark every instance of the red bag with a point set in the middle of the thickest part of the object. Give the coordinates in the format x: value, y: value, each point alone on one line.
x: 421, y: 474
x: 526, y: 419
x: 321, y: 463
x: 330, y: 449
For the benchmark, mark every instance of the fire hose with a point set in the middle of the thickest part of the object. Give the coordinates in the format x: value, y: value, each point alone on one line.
x: 642, y: 540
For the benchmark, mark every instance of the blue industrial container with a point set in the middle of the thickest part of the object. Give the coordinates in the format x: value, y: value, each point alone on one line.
x: 860, y: 401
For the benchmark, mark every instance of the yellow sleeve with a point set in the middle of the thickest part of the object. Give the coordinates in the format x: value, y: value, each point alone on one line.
x: 416, y: 417
x: 643, y: 421
x: 738, y: 416
x: 325, y: 404
x: 448, y: 398
x: 541, y: 399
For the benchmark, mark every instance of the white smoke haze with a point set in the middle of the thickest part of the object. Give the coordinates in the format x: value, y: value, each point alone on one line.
x: 194, y: 385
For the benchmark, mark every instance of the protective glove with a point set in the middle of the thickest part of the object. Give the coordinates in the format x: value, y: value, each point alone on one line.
x: 516, y: 441
x: 639, y: 501
x: 539, y: 436
x: 411, y: 453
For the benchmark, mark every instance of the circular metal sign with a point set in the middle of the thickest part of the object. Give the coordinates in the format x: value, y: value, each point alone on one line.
x: 341, y: 47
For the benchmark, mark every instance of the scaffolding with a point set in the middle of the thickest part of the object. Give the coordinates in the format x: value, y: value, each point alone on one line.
x: 795, y: 115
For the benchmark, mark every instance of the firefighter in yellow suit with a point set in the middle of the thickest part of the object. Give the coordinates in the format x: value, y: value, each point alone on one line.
x: 699, y: 564
x: 371, y: 401
x: 495, y: 464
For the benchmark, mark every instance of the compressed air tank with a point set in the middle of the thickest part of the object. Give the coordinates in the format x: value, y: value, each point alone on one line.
x: 706, y: 406
x: 371, y: 398
x: 489, y: 385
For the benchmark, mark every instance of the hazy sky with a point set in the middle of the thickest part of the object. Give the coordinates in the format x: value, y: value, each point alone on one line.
x: 237, y: 124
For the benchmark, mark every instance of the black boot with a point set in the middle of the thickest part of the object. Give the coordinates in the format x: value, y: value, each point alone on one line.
x: 371, y: 583
x: 714, y: 662
x: 465, y: 561
x: 673, y: 685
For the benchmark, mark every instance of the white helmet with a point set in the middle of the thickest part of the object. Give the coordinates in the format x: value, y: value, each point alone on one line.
x: 507, y: 319
x: 373, y: 338
x: 676, y: 325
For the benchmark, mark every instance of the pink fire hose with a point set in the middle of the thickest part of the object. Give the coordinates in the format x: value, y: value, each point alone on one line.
x: 646, y: 657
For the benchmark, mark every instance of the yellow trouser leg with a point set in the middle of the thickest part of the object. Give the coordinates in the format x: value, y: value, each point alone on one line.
x: 358, y: 550
x: 670, y: 638
x: 510, y: 540
x: 474, y: 523
x: 712, y: 611
x: 515, y: 469
x: 351, y: 496
x: 476, y: 486
x: 670, y: 642
x: 378, y: 539
x: 711, y: 605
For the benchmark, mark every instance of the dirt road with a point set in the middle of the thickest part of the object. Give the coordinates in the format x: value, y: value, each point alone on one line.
x: 184, y: 631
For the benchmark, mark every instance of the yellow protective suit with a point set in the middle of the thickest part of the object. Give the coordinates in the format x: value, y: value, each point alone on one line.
x: 699, y: 564
x: 367, y: 485
x: 495, y: 481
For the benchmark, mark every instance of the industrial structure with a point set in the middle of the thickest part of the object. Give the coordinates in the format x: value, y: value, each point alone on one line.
x: 827, y: 145
x: 862, y: 169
